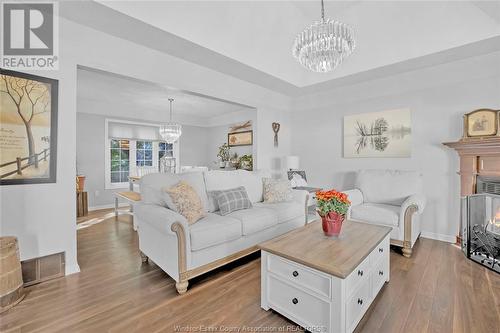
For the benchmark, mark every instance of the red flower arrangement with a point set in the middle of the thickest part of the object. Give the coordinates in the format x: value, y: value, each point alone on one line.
x: 332, y: 207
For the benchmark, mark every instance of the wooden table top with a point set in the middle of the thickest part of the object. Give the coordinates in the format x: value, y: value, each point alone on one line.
x: 310, y: 247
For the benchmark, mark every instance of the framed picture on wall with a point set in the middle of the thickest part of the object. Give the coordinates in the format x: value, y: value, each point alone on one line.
x: 481, y: 123
x: 240, y: 139
x: 378, y: 134
x: 28, y: 128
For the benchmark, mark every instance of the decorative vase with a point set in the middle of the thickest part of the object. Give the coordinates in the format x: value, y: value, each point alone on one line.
x: 332, y: 224
x: 222, y: 164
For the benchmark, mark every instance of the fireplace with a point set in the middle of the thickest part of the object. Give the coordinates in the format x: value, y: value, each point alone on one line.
x: 481, y: 224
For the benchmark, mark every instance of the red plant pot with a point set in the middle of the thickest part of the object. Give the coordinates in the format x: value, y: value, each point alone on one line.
x: 332, y: 223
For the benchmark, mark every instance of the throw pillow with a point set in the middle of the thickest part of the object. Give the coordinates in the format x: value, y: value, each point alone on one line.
x: 186, y: 201
x: 277, y: 190
x: 232, y: 200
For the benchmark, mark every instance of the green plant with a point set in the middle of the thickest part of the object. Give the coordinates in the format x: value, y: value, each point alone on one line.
x: 246, y: 162
x: 224, y: 152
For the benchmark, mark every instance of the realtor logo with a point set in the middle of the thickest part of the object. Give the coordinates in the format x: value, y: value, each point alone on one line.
x: 29, y: 39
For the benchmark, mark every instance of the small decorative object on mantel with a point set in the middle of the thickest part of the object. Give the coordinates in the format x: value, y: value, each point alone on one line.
x: 276, y: 129
x: 481, y: 123
x: 332, y: 207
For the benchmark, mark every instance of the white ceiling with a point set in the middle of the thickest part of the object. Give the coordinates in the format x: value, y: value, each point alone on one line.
x: 118, y: 96
x: 260, y: 33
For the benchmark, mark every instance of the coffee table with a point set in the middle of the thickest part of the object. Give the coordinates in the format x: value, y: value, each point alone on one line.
x: 321, y: 283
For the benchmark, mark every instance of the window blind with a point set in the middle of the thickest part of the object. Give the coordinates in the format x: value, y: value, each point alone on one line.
x: 118, y: 130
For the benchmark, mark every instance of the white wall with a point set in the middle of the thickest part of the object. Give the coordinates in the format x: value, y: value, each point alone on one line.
x: 43, y: 216
x: 437, y: 98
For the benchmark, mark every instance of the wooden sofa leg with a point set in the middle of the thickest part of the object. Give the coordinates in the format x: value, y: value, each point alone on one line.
x: 407, y: 251
x: 144, y: 258
x: 182, y: 286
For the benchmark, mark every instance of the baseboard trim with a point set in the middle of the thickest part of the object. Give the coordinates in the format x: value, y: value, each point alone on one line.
x: 72, y: 269
x: 439, y: 237
x: 122, y: 205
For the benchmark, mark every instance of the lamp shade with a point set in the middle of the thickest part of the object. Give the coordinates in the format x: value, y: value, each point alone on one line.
x: 292, y: 162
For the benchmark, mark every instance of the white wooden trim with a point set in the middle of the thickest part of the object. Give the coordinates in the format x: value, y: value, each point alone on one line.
x: 439, y: 237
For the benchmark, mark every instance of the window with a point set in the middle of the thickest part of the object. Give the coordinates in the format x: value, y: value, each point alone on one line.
x: 165, y: 149
x: 119, y: 160
x: 144, y: 153
x: 132, y: 149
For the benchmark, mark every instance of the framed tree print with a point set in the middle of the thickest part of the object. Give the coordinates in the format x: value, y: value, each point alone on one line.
x: 28, y: 128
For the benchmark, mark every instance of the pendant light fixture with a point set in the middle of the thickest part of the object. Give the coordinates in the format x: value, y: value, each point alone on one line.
x: 324, y: 44
x: 170, y: 132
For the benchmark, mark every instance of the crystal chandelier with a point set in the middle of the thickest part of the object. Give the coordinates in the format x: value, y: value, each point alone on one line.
x: 324, y: 44
x: 170, y: 132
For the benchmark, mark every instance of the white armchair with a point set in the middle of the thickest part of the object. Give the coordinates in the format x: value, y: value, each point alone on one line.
x: 391, y: 198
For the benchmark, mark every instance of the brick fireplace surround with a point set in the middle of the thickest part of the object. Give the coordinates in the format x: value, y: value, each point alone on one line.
x: 478, y: 157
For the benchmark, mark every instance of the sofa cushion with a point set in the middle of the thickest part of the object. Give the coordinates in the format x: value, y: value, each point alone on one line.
x: 255, y: 219
x: 277, y: 190
x: 232, y: 200
x: 390, y: 187
x: 285, y: 211
x: 222, y: 180
x: 376, y: 214
x: 212, y: 230
x: 153, y: 183
x: 186, y: 201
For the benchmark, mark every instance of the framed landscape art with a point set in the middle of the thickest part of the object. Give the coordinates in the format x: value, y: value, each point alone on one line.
x: 378, y: 134
x: 28, y: 128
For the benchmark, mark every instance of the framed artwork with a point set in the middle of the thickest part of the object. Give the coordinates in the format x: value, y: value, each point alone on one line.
x: 297, y: 178
x: 481, y: 123
x: 378, y: 134
x: 28, y: 128
x: 240, y: 139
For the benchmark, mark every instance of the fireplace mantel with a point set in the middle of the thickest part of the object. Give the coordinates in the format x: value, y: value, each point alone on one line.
x: 478, y: 157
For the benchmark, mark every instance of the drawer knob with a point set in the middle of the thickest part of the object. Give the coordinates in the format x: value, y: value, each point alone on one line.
x: 380, y: 250
x: 360, y: 272
x: 360, y: 301
x: 380, y: 272
x: 295, y: 273
x: 295, y: 301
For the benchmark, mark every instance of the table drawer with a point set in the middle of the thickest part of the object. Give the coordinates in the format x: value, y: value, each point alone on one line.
x: 299, y: 306
x: 379, y: 276
x: 359, y: 275
x: 380, y: 251
x: 300, y: 275
x: 357, y: 304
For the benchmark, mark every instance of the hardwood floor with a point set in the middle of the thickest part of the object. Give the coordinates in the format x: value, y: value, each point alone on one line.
x: 437, y: 290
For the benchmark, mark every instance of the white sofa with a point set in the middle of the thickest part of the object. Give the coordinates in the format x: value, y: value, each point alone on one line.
x: 391, y: 198
x: 185, y: 251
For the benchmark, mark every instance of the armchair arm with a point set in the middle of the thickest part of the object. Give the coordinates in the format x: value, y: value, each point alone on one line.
x: 355, y: 196
x: 417, y: 200
x: 161, y: 218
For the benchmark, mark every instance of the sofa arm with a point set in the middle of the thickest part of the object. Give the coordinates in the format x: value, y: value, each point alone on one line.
x: 417, y: 200
x: 301, y: 196
x: 160, y: 218
x: 355, y: 196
